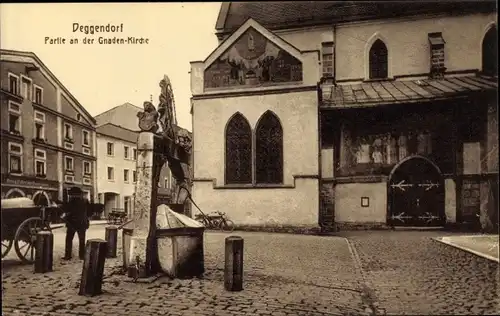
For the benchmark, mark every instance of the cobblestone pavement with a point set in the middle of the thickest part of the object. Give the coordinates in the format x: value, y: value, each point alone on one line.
x: 95, y: 231
x: 284, y: 275
x: 410, y: 274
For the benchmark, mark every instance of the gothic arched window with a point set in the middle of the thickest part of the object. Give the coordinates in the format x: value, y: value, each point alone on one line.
x: 269, y: 150
x: 378, y: 60
x: 238, y: 151
x: 490, y: 52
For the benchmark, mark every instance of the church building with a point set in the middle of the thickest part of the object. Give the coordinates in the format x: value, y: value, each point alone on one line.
x: 327, y: 115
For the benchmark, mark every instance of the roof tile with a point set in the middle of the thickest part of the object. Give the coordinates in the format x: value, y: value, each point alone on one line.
x: 287, y: 14
x: 391, y: 92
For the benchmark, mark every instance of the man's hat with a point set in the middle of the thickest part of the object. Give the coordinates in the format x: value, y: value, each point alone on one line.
x: 75, y: 191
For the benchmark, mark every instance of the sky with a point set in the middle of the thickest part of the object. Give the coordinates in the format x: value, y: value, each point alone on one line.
x: 104, y: 76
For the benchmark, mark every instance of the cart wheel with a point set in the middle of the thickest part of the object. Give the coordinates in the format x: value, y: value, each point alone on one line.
x: 6, y: 245
x: 227, y: 225
x: 25, y: 238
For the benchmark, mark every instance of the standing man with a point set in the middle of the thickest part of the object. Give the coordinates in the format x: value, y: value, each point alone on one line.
x: 77, y: 221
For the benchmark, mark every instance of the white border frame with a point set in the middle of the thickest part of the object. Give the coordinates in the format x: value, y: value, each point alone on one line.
x: 333, y: 57
x: 20, y: 155
x: 87, y: 151
x: 15, y: 111
x: 18, y: 113
x: 127, y: 171
x: 72, y: 164
x: 14, y: 190
x: 368, y: 45
x: 129, y: 203
x: 35, y: 87
x: 129, y: 155
x: 83, y: 168
x: 39, y: 121
x: 18, y: 88
x: 112, y: 147
x: 71, y: 131
x: 69, y: 176
x: 42, y: 160
x: 85, y: 193
x: 89, y: 138
x: 107, y: 173
x: 30, y: 87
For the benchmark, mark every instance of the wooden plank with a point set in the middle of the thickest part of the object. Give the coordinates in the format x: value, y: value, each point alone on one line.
x: 360, y: 93
x: 396, y: 94
x: 435, y: 92
x: 406, y: 91
x: 347, y: 94
x: 453, y: 86
x: 464, y: 84
x: 437, y: 84
x: 486, y: 81
x: 418, y: 89
x: 383, y: 93
x: 361, y: 96
x: 371, y: 93
x: 476, y: 83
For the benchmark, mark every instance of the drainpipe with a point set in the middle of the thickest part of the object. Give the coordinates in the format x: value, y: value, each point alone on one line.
x: 335, y: 55
x: 333, y: 222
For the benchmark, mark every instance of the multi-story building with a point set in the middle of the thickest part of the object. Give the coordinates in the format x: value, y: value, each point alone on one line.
x: 117, y: 133
x: 48, y: 138
x: 322, y: 114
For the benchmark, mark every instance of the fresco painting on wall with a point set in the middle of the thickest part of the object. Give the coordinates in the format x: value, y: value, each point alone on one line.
x: 253, y: 60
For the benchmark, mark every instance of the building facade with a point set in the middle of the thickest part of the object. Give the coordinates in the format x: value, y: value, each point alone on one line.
x: 48, y: 138
x: 117, y: 159
x: 346, y: 114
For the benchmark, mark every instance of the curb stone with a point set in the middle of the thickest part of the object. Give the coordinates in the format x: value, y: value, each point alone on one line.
x: 464, y: 248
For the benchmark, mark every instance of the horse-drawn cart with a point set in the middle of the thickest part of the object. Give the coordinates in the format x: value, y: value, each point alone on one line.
x: 22, y: 219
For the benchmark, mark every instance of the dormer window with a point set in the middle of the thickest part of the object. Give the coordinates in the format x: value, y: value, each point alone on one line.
x: 437, y: 42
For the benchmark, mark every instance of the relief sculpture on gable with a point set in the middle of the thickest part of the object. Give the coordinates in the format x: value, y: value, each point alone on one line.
x: 251, y: 61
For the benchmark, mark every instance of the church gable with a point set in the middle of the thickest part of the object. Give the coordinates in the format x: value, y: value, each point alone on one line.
x: 252, y: 59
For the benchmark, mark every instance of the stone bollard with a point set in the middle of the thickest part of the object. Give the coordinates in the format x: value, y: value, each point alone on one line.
x: 93, y: 267
x: 126, y: 236
x: 112, y: 240
x: 44, y: 251
x: 233, y: 268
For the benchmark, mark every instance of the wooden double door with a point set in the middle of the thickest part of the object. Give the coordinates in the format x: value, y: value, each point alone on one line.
x: 416, y: 194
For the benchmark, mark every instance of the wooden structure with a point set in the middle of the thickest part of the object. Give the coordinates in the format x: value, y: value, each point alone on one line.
x: 233, y: 267
x: 93, y: 267
x: 21, y: 222
x: 160, y: 141
x: 44, y: 252
x: 430, y: 140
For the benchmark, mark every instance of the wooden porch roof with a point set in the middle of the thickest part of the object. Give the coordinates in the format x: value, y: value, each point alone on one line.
x: 408, y: 91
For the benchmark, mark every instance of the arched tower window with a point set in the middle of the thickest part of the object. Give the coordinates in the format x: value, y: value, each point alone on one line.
x: 238, y: 154
x: 490, y: 52
x: 269, y: 150
x: 378, y: 60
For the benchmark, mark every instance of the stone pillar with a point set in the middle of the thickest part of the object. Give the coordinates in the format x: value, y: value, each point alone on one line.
x: 492, y: 139
x: 142, y: 246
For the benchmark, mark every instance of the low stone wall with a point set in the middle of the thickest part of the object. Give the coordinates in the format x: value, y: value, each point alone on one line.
x: 362, y: 226
x: 313, y: 230
x: 305, y: 230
